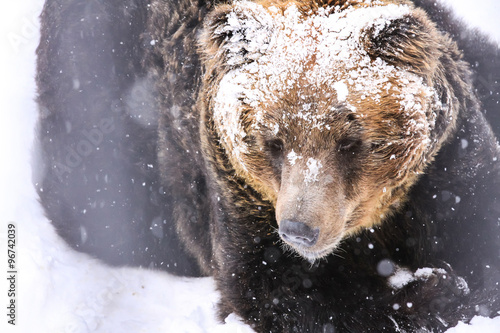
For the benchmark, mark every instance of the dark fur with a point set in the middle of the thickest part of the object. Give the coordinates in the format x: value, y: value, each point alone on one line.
x: 226, y: 228
x: 479, y: 51
x: 105, y: 56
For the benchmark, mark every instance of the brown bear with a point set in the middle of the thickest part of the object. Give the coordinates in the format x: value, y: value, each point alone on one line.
x: 326, y: 161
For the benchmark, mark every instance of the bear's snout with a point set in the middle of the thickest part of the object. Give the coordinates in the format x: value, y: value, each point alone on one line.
x: 311, y: 216
x: 298, y: 233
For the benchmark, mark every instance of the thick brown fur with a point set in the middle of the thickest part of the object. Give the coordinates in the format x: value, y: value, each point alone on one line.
x: 385, y: 198
x: 411, y: 43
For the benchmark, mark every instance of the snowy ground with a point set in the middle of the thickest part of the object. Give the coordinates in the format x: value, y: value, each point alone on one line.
x: 58, y: 290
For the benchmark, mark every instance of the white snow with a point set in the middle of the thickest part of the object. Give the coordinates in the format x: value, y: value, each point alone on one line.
x: 293, y: 157
x: 342, y: 91
x: 313, y: 170
x: 478, y: 324
x: 401, y: 278
x: 425, y: 273
x: 228, y: 119
x: 60, y: 290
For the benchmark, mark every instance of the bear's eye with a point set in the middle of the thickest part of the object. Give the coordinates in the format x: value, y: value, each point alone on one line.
x: 275, y: 147
x: 348, y: 144
x: 351, y: 117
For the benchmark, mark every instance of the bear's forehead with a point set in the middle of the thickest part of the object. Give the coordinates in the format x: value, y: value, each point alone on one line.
x: 295, y: 53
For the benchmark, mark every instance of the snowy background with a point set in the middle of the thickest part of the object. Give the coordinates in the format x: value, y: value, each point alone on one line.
x: 59, y: 290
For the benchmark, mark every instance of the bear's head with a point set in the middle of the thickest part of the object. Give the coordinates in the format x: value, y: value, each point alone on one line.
x: 329, y: 109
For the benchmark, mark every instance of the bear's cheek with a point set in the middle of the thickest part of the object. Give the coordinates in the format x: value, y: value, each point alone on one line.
x: 262, y: 172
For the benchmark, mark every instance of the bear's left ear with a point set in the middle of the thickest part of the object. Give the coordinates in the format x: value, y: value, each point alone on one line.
x: 236, y: 34
x: 411, y: 42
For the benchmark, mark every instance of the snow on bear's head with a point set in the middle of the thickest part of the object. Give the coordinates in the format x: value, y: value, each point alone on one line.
x: 330, y: 111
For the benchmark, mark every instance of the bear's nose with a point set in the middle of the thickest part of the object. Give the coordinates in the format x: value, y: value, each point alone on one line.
x: 298, y: 233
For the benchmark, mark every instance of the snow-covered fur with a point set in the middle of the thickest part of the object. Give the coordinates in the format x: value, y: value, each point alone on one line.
x: 326, y: 161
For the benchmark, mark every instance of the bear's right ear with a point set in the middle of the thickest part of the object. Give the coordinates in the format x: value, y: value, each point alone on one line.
x: 236, y: 34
